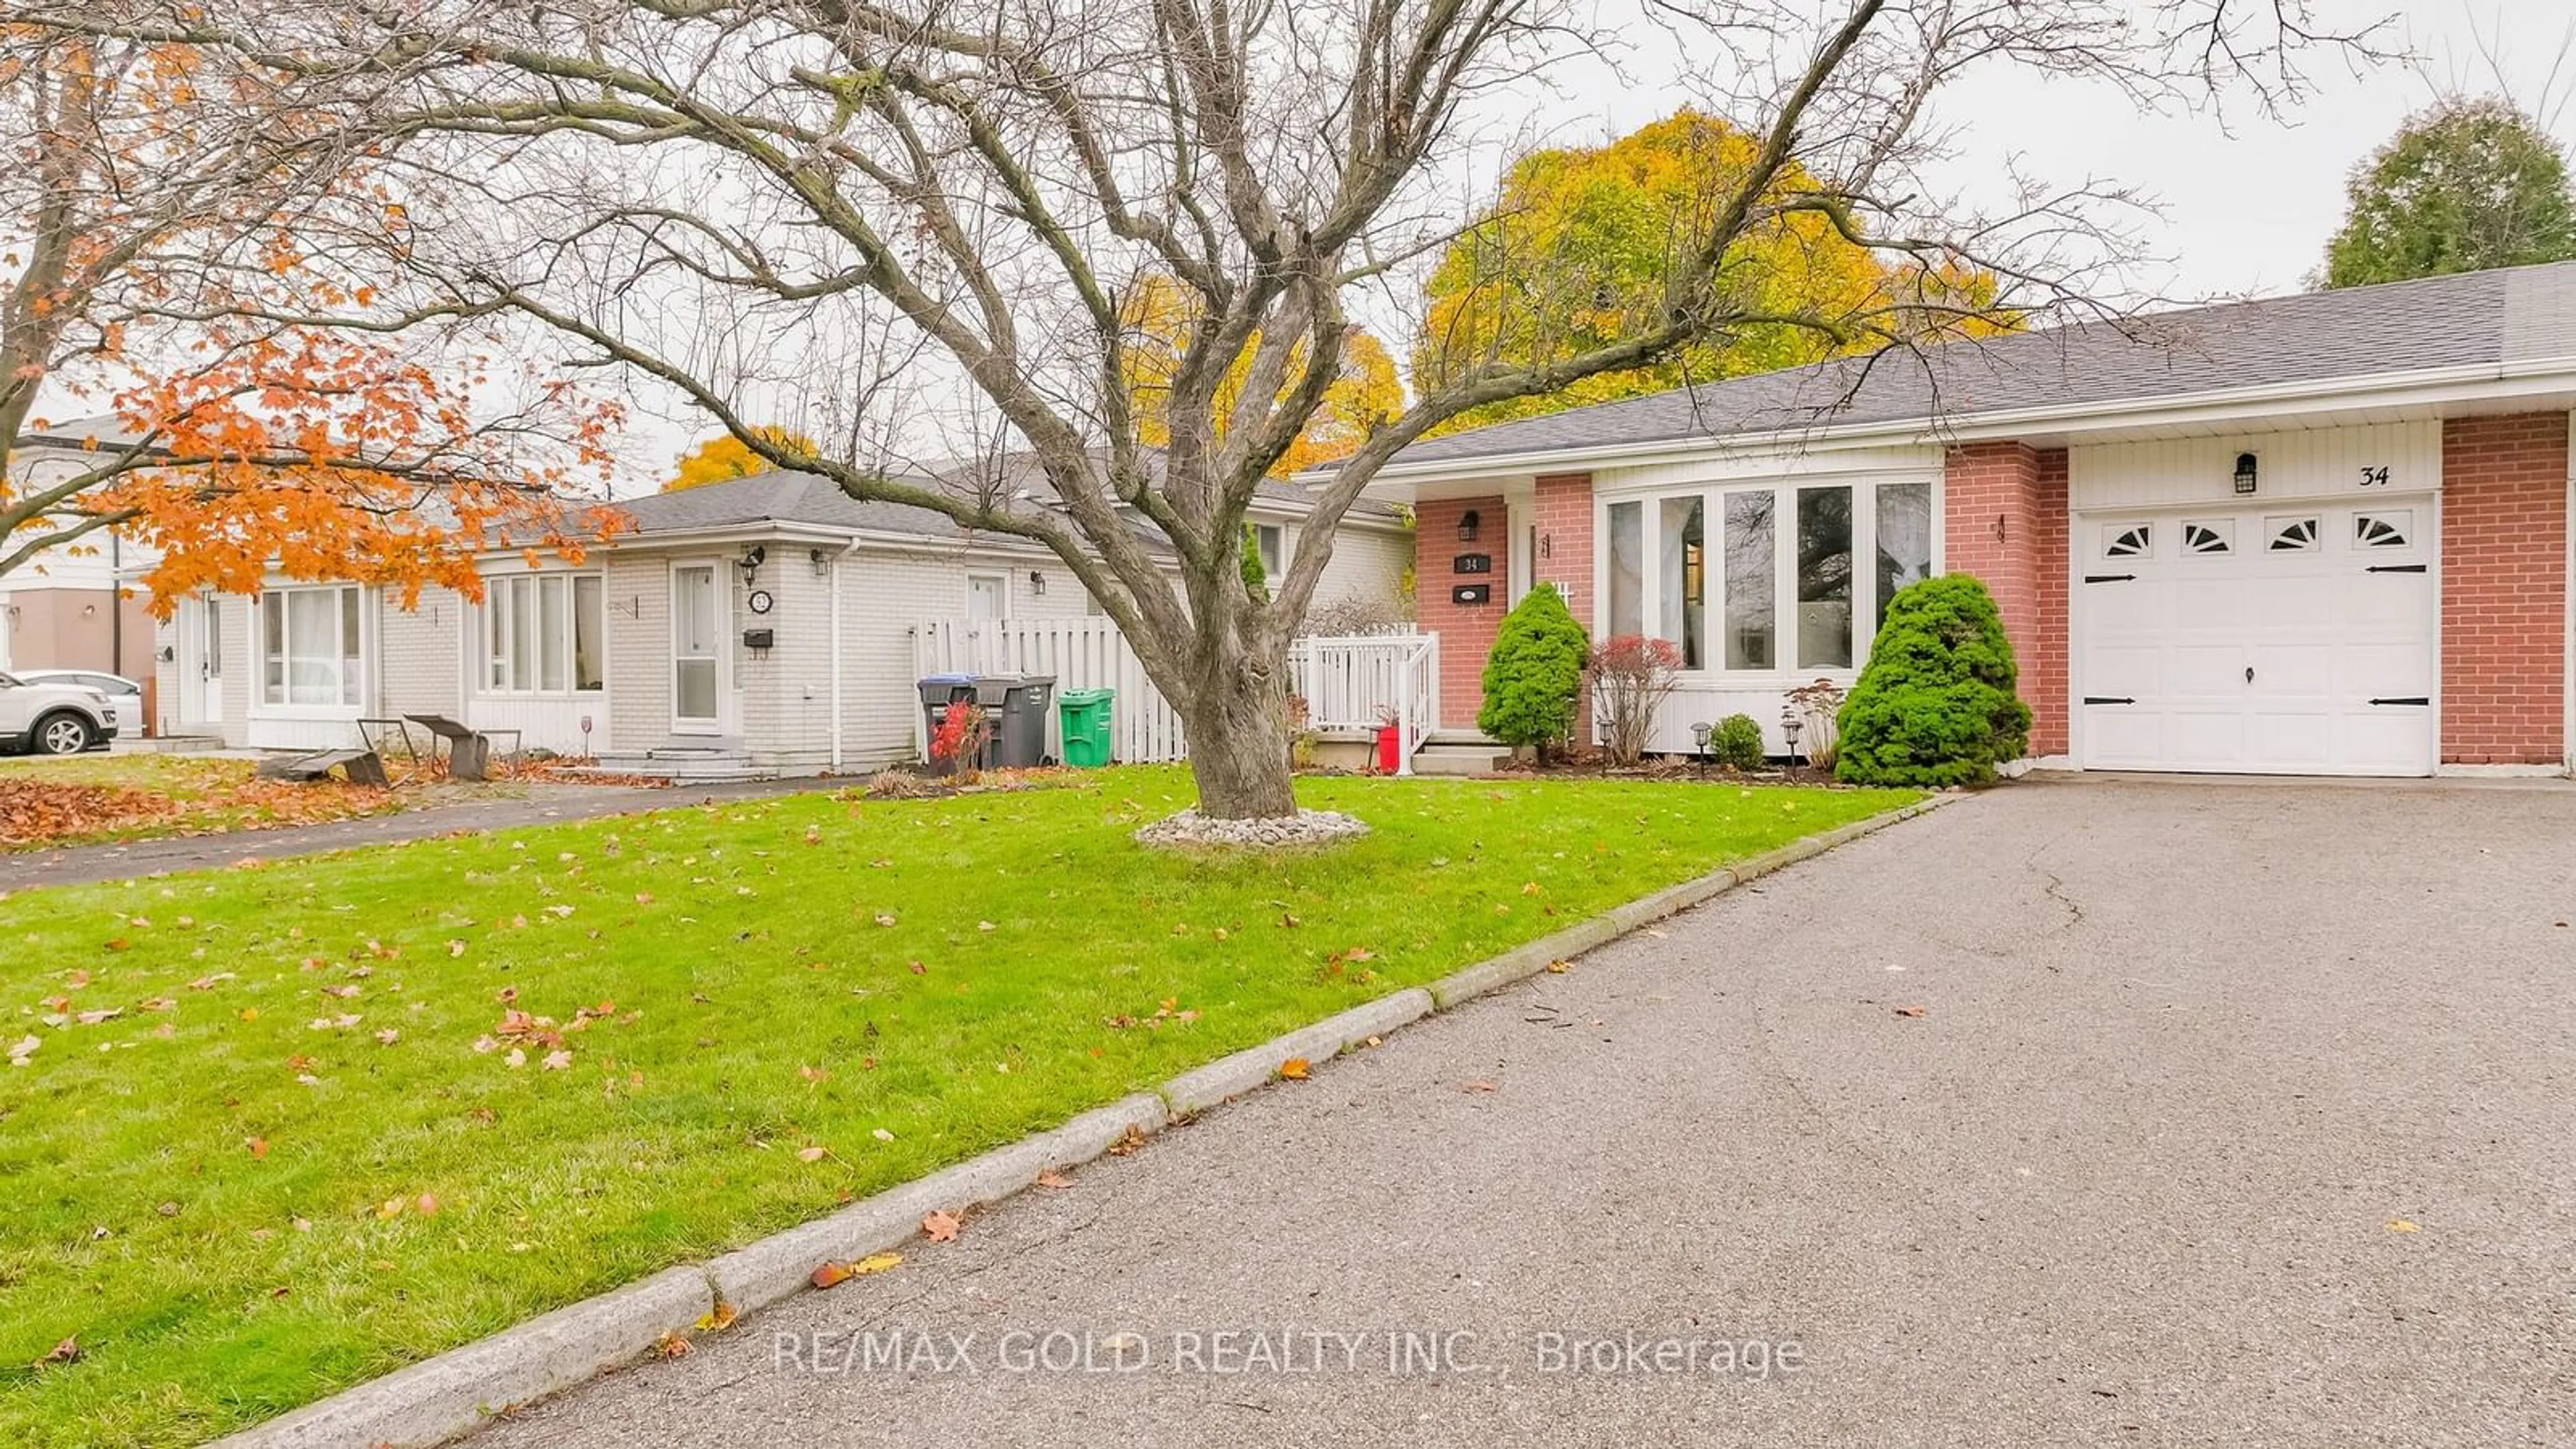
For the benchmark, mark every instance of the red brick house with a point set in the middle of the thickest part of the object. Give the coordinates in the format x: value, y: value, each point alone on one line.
x: 2321, y: 534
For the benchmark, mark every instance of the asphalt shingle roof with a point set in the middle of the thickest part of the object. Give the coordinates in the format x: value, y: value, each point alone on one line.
x: 2472, y: 319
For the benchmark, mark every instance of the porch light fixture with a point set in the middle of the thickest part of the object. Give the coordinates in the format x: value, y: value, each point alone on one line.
x: 1037, y: 582
x: 752, y: 558
x: 2244, y: 473
x: 1468, y: 523
x: 821, y: 559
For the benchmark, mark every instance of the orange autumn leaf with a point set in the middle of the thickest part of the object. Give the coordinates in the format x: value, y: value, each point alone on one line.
x: 940, y: 1226
x: 1293, y: 1069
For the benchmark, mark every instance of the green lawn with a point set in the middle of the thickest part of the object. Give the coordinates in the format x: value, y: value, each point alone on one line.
x: 274, y: 1138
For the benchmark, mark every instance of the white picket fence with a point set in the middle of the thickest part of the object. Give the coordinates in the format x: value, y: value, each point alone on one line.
x: 1346, y: 681
x: 1358, y: 682
x: 1086, y: 653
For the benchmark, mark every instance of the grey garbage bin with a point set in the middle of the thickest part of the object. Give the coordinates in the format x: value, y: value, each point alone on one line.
x: 1017, y: 704
x: 938, y: 692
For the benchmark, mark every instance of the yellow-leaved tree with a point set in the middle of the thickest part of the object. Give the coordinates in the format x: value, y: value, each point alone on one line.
x: 725, y: 456
x: 1584, y: 244
x: 1160, y: 320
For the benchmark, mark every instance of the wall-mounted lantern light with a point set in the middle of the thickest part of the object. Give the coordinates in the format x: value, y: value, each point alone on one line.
x: 1037, y: 582
x: 752, y: 558
x: 1468, y: 523
x: 2244, y: 473
x: 821, y: 559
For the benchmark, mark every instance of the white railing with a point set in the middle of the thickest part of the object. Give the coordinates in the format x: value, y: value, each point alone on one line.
x: 1359, y: 682
x: 1082, y: 653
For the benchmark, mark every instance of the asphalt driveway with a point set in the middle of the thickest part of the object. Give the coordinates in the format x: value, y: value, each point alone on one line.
x: 2191, y: 1060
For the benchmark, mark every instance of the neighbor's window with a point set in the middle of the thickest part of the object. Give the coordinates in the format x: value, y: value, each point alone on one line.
x: 1683, y: 575
x: 1825, y: 578
x: 543, y: 634
x: 1627, y: 569
x: 1904, y: 541
x: 1752, y: 602
x: 1270, y: 541
x: 310, y: 649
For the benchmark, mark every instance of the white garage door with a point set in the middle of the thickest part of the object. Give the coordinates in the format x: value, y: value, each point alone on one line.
x: 2289, y: 639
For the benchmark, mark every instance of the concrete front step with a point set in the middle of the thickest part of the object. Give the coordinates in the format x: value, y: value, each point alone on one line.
x: 1460, y: 759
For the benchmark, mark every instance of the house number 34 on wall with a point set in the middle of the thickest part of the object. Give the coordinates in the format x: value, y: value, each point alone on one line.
x: 2375, y: 477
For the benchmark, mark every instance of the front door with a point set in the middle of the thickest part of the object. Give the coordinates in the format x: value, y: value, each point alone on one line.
x: 201, y: 660
x: 699, y: 691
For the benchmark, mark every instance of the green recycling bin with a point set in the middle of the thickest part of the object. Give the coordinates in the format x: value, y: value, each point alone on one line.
x: 1082, y: 717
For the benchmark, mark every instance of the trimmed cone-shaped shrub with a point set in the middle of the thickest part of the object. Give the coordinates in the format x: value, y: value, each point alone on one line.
x: 1534, y: 672
x: 1936, y: 706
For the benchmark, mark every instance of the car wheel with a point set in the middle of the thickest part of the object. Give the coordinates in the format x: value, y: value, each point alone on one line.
x: 62, y: 734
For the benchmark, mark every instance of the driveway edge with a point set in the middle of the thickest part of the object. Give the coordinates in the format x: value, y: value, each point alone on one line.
x: 444, y: 1398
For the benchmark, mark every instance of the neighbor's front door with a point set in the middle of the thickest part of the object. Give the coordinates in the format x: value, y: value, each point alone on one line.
x: 201, y: 660
x: 700, y: 694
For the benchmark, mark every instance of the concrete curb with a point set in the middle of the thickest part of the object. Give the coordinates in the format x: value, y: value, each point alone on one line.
x: 449, y: 1396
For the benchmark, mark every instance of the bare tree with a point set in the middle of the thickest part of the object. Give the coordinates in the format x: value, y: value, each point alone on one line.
x: 650, y: 177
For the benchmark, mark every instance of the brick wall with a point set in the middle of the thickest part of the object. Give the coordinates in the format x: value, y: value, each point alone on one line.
x: 2504, y: 589
x: 1466, y: 632
x: 2004, y: 520
x: 1564, y: 519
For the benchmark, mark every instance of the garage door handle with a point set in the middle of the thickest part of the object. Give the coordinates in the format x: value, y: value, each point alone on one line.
x: 2108, y: 699
x: 2394, y: 569
x: 2406, y: 699
x: 2108, y: 578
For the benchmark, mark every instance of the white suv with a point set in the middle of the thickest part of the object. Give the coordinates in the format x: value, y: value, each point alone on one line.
x: 53, y: 719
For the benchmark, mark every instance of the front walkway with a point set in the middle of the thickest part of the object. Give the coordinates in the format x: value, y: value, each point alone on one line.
x: 2231, y: 1115
x: 537, y: 804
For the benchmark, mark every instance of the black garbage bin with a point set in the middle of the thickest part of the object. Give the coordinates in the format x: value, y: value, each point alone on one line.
x: 938, y: 692
x: 1017, y: 704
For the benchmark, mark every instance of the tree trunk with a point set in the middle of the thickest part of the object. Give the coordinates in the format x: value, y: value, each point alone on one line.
x: 1238, y: 735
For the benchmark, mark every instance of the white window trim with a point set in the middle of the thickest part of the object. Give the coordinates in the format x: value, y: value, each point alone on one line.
x: 1784, y: 542
x: 478, y: 636
x: 255, y: 652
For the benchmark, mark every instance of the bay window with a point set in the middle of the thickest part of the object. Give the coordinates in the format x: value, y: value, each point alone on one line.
x: 543, y: 634
x: 311, y: 646
x: 1765, y: 578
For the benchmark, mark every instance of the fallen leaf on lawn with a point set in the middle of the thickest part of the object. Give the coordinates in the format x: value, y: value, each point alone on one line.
x: 93, y: 1018
x: 388, y: 1037
x: 984, y: 926
x: 207, y: 983
x: 882, y: 1135
x: 24, y: 1048
x: 1293, y: 1069
x: 812, y: 1154
x: 939, y: 1225
x: 506, y: 995
x: 1909, y: 1011
x: 1529, y: 887
x: 670, y: 1345
x: 813, y: 1074
x: 556, y: 1061
x: 343, y: 990
x: 917, y: 968
x: 391, y: 1208
x: 455, y: 948
x: 1053, y: 1178
x: 718, y: 1319
x: 248, y: 1013
x: 1359, y: 953
x: 63, y: 1352
x: 518, y: 1057
x: 258, y: 1146
x: 427, y: 1203
x: 2401, y: 1225
x: 485, y: 1044
x: 885, y: 918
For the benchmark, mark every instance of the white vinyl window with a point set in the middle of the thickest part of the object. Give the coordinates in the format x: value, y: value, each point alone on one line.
x: 311, y: 647
x: 1270, y: 542
x: 1768, y: 579
x: 543, y: 634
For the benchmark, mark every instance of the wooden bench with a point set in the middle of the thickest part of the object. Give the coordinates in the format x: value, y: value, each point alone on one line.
x: 363, y: 767
x: 469, y: 750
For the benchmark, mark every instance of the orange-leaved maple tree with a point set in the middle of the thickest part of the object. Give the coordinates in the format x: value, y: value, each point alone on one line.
x: 198, y: 349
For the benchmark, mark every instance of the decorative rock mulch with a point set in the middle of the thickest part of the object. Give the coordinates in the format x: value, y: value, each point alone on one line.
x: 1307, y: 827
